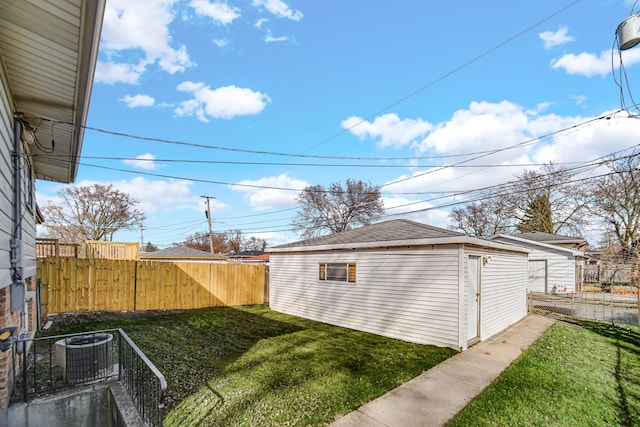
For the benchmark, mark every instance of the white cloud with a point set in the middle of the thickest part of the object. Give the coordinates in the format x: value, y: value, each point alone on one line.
x: 110, y: 72
x: 552, y: 39
x: 485, y: 127
x: 143, y: 161
x: 222, y: 103
x: 160, y: 196
x: 134, y: 101
x: 276, y: 195
x: 391, y: 130
x: 279, y: 9
x: 590, y: 64
x: 272, y: 238
x: 221, y: 42
x: 579, y: 99
x: 221, y: 13
x: 155, y: 196
x: 271, y: 39
x: 416, y: 210
x: 597, y: 139
x: 260, y: 22
x: 135, y: 34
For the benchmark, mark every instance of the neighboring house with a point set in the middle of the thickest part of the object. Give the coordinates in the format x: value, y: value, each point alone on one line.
x: 183, y: 254
x: 575, y: 243
x: 48, y: 52
x: 253, y: 257
x: 404, y: 280
x: 553, y: 267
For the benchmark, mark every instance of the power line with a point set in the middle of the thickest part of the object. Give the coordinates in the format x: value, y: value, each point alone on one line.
x: 337, y: 165
x: 450, y: 73
x: 481, y: 154
x: 499, y: 191
x: 499, y: 150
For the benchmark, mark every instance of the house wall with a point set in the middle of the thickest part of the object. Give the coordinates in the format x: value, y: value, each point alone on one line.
x: 6, y: 185
x: 503, y: 293
x: 27, y: 260
x: 408, y: 294
x: 561, y: 265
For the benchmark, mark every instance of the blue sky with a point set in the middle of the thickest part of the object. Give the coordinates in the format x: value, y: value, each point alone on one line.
x: 249, y: 101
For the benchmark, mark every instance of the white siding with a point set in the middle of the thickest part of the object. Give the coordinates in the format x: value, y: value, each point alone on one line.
x: 561, y: 265
x: 6, y: 187
x: 503, y: 299
x: 405, y: 294
x: 28, y: 244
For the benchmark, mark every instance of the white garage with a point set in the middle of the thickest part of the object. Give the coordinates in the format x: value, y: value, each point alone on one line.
x: 552, y: 268
x: 404, y: 280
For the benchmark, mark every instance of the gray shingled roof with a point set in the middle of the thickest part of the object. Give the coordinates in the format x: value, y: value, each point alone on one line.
x: 539, y: 236
x: 397, y: 229
x: 179, y: 251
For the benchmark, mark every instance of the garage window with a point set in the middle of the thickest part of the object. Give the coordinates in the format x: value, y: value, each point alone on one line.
x: 337, y: 272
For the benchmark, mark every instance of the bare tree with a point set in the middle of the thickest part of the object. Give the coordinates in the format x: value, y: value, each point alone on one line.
x: 616, y: 200
x: 338, y: 208
x: 481, y: 219
x: 239, y: 243
x: 548, y: 201
x: 254, y: 244
x: 229, y: 241
x: 543, y: 200
x: 200, y: 240
x: 234, y: 240
x: 92, y: 212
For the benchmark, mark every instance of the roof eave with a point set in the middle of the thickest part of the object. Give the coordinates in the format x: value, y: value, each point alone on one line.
x: 536, y: 243
x: 467, y: 240
x: 91, y: 27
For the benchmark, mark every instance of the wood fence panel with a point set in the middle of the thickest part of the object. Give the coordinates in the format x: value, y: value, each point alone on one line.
x: 121, y: 294
x: 75, y: 285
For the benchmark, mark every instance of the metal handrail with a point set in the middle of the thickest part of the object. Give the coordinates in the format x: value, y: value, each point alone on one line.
x: 146, y: 391
x: 135, y: 388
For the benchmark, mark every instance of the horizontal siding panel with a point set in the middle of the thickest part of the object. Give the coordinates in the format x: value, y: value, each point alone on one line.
x: 503, y: 293
x: 413, y: 298
x: 6, y: 188
x: 560, y: 265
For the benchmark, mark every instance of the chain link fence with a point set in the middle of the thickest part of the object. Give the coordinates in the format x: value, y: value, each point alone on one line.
x: 605, y: 307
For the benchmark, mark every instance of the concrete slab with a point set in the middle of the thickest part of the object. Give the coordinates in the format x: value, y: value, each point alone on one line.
x: 434, y: 397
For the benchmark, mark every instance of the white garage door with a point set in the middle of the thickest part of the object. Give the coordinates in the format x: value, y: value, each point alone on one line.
x: 537, y: 276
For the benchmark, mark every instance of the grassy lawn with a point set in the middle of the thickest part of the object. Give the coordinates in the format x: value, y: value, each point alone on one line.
x: 252, y: 366
x: 574, y: 375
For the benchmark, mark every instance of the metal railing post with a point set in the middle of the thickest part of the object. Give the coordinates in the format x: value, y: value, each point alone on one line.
x: 119, y: 356
x: 24, y: 376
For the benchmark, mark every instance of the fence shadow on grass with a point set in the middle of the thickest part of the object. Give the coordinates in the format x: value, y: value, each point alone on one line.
x: 627, y: 340
x: 192, y: 347
x: 629, y: 335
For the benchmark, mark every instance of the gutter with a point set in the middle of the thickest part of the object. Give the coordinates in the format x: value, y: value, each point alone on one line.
x: 454, y: 240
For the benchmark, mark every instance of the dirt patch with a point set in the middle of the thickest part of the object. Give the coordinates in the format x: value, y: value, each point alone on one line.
x: 59, y: 320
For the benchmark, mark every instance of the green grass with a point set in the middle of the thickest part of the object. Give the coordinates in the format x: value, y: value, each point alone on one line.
x: 252, y: 366
x: 574, y: 375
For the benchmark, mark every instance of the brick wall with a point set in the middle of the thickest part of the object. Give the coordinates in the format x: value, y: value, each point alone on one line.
x: 7, y: 319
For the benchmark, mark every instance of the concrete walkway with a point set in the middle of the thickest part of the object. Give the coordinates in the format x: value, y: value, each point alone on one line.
x: 435, y: 396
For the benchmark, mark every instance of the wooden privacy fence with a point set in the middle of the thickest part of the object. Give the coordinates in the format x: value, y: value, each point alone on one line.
x: 77, y: 285
x: 46, y: 247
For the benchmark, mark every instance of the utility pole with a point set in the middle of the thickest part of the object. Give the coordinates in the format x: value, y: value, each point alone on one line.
x: 141, y: 238
x: 208, y: 213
